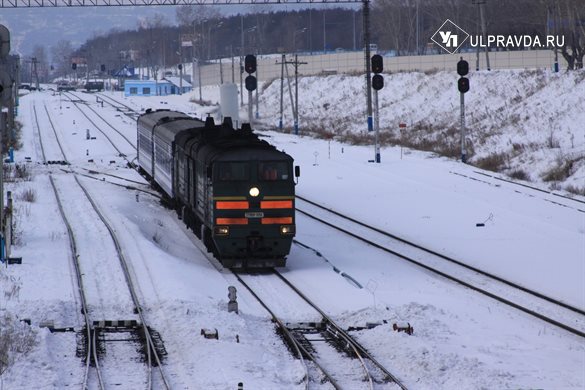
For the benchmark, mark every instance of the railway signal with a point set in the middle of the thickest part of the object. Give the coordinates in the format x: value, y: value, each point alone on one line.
x: 463, y: 87
x: 377, y: 63
x: 377, y: 82
x: 251, y: 83
x: 463, y: 84
x: 462, y: 67
x: 250, y: 64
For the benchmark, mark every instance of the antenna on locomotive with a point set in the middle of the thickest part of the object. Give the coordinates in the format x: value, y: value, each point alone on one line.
x: 209, y: 122
x: 227, y: 121
x: 246, y: 129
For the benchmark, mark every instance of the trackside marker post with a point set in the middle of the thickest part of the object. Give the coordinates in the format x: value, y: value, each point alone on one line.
x: 401, y: 128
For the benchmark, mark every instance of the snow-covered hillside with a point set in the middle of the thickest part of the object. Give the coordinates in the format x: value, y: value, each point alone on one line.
x: 527, y: 124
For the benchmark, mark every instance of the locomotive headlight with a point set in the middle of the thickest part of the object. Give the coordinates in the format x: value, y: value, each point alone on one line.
x: 287, y: 229
x: 222, y: 230
x: 254, y: 192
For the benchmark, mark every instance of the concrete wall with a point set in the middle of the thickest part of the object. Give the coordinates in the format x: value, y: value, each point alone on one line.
x: 353, y: 62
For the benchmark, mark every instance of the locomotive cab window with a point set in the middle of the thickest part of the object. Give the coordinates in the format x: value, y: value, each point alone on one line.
x: 233, y: 171
x: 273, y: 170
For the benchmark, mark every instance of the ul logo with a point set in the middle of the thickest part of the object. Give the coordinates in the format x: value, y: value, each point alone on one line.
x: 448, y: 39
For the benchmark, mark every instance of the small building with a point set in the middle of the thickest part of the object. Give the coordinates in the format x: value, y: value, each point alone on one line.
x: 178, y: 86
x: 163, y: 87
x: 141, y: 87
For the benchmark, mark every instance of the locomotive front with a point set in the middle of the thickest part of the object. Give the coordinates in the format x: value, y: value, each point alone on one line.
x: 253, y: 207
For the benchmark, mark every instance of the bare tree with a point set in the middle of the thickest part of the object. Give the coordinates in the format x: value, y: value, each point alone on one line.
x: 61, y: 57
x: 190, y: 15
x: 571, y: 20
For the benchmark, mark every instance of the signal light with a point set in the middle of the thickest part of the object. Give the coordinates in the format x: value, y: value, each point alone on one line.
x: 463, y: 84
x: 251, y: 83
x: 250, y: 65
x: 74, y: 66
x: 462, y: 67
x: 377, y: 63
x: 102, y: 68
x: 377, y: 82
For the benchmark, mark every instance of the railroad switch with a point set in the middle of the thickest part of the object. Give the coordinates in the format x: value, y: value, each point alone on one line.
x: 14, y: 260
x: 116, y: 324
x: 306, y: 326
x: 406, y: 328
x: 51, y: 326
x: 210, y: 333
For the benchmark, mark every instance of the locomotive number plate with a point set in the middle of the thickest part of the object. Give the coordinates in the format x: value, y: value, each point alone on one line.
x: 257, y: 214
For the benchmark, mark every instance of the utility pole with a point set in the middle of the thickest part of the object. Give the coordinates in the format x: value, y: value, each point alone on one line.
x: 295, y: 105
x: 290, y: 94
x: 556, y: 50
x: 478, y: 29
x: 417, y: 29
x: 281, y: 89
x: 296, y: 94
x: 241, y: 83
x: 481, y: 26
x: 241, y: 56
x: 5, y: 94
x: 233, y: 65
x: 257, y: 78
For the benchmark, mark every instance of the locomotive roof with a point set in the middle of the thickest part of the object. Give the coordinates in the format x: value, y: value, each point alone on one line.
x: 208, y: 141
x: 151, y: 118
x: 239, y: 145
x: 171, y: 130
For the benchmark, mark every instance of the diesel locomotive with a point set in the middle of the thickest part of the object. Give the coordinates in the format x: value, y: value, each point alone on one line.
x: 234, y: 190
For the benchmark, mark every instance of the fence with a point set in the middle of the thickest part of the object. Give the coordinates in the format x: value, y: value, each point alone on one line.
x: 353, y: 62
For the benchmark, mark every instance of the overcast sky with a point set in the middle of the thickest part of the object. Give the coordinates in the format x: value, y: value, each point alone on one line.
x: 46, y: 26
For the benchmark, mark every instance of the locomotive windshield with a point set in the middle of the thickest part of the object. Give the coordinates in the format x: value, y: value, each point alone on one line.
x: 273, y: 170
x: 233, y: 171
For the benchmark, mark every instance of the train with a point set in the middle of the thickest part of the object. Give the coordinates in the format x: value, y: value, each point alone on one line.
x: 235, y: 191
x: 94, y: 85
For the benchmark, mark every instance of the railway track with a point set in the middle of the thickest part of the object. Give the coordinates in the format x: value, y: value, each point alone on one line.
x: 552, y: 197
x: 307, y: 339
x: 97, y: 332
x: 545, y: 308
x: 79, y: 103
x: 119, y: 106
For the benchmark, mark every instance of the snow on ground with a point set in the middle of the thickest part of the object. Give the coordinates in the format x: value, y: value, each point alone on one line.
x: 461, y: 340
x: 533, y: 118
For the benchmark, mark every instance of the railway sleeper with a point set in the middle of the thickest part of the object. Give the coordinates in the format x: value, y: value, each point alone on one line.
x: 298, y: 338
x: 337, y: 341
x: 158, y: 344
